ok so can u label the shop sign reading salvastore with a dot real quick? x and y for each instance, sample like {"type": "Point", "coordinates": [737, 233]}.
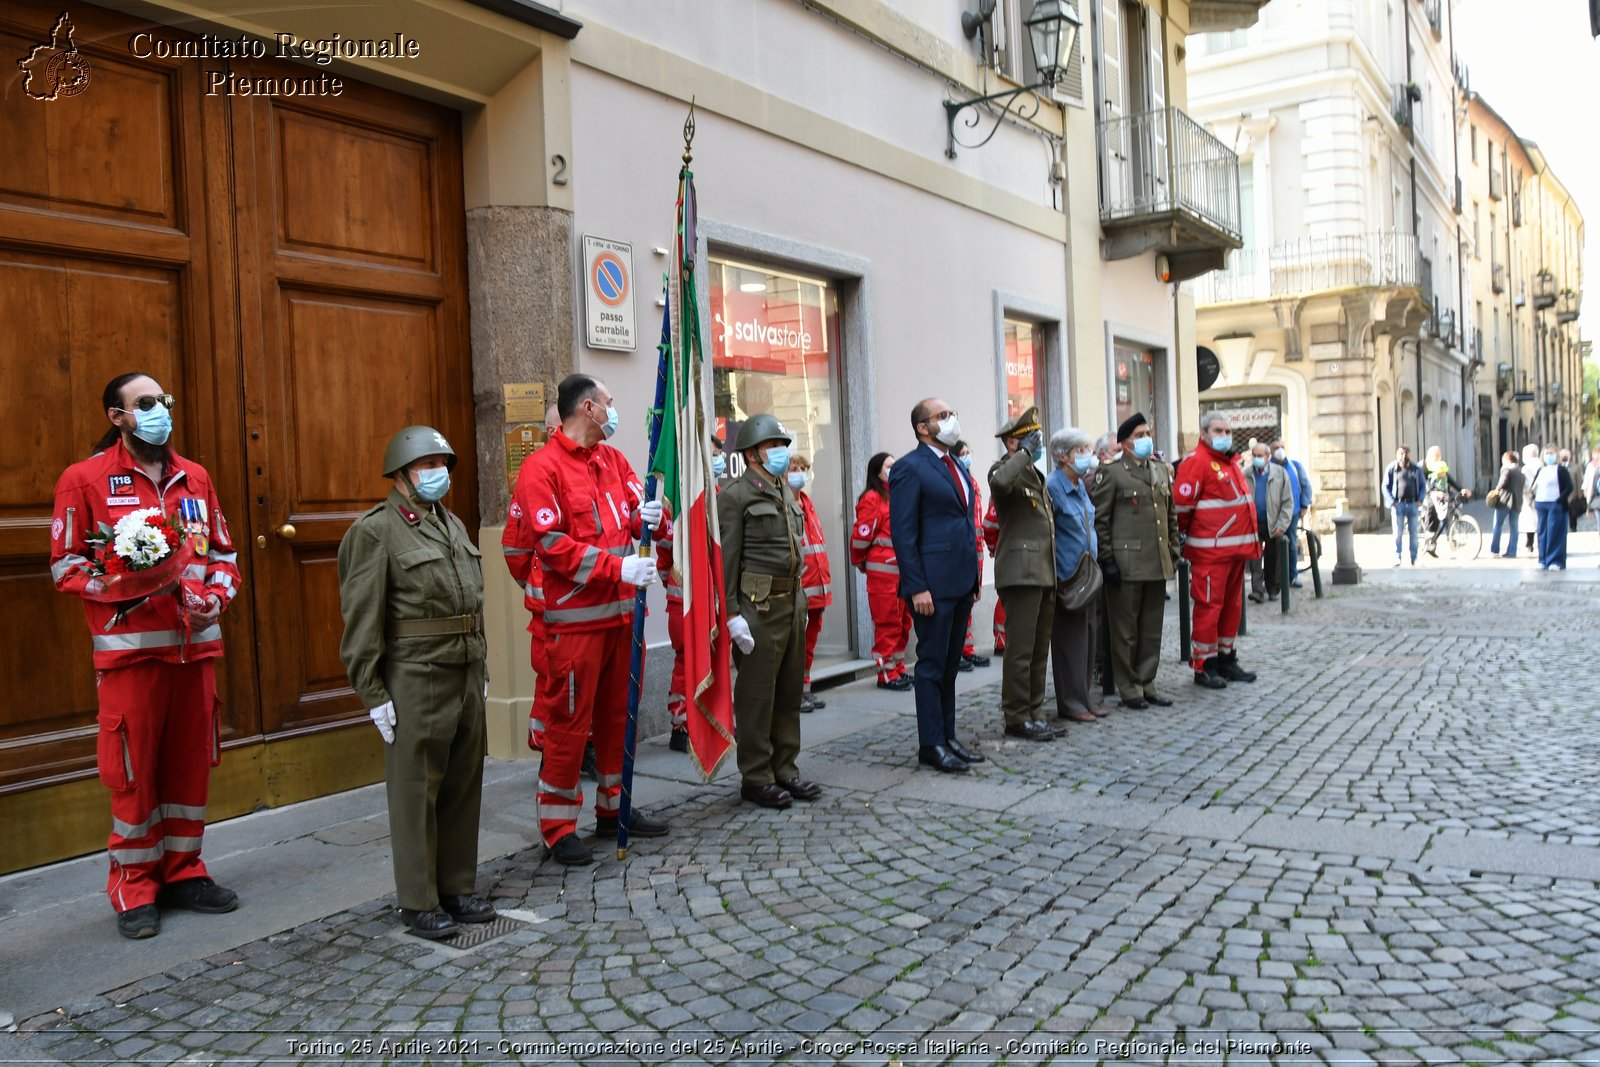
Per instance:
{"type": "Point", "coordinates": [608, 293]}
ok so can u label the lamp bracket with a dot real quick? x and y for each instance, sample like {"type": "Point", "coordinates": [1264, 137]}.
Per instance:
{"type": "Point", "coordinates": [1009, 105]}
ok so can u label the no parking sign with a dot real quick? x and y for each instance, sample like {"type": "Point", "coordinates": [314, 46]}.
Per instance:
{"type": "Point", "coordinates": [608, 293]}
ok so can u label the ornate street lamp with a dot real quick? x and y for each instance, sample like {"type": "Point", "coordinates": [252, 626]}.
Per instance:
{"type": "Point", "coordinates": [1052, 34]}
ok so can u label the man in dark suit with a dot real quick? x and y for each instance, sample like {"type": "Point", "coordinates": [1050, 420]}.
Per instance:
{"type": "Point", "coordinates": [936, 544]}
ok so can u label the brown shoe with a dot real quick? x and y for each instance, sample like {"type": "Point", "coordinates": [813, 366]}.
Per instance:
{"type": "Point", "coordinates": [771, 795]}
{"type": "Point", "coordinates": [1077, 716]}
{"type": "Point", "coordinates": [1100, 713]}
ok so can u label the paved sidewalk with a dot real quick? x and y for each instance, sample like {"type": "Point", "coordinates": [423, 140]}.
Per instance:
{"type": "Point", "coordinates": [1384, 851]}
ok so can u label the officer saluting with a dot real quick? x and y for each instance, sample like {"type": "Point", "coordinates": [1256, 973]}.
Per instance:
{"type": "Point", "coordinates": [763, 539]}
{"type": "Point", "coordinates": [411, 589]}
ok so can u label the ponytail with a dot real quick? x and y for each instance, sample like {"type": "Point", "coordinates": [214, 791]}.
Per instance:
{"type": "Point", "coordinates": [111, 397]}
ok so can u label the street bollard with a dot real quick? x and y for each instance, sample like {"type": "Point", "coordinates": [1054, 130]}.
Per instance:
{"type": "Point", "coordinates": [1184, 646]}
{"type": "Point", "coordinates": [1345, 571]}
{"type": "Point", "coordinates": [1286, 577]}
{"type": "Point", "coordinates": [1314, 548]}
{"type": "Point", "coordinates": [1108, 682]}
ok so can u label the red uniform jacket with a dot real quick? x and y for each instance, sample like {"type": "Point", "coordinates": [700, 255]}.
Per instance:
{"type": "Point", "coordinates": [1215, 510]}
{"type": "Point", "coordinates": [104, 488]}
{"type": "Point", "coordinates": [870, 544]}
{"type": "Point", "coordinates": [817, 577]}
{"type": "Point", "coordinates": [579, 517]}
{"type": "Point", "coordinates": [990, 527]}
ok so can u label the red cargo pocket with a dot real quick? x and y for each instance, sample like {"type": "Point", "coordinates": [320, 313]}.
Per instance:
{"type": "Point", "coordinates": [113, 755]}
{"type": "Point", "coordinates": [216, 731]}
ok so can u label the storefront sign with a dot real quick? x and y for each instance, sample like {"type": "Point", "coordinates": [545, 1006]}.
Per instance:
{"type": "Point", "coordinates": [608, 294]}
{"type": "Point", "coordinates": [1252, 416]}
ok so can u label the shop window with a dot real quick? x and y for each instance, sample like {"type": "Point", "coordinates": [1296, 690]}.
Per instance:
{"type": "Point", "coordinates": [1025, 375]}
{"type": "Point", "coordinates": [1135, 386]}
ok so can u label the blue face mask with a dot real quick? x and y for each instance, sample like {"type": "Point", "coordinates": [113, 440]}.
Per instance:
{"type": "Point", "coordinates": [1144, 448]}
{"type": "Point", "coordinates": [797, 480]}
{"type": "Point", "coordinates": [1260, 462]}
{"type": "Point", "coordinates": [1083, 463]}
{"type": "Point", "coordinates": [719, 466]}
{"type": "Point", "coordinates": [153, 426]}
{"type": "Point", "coordinates": [1549, 461]}
{"type": "Point", "coordinates": [965, 461]}
{"type": "Point", "coordinates": [777, 461]}
{"type": "Point", "coordinates": [432, 484]}
{"type": "Point", "coordinates": [1222, 442]}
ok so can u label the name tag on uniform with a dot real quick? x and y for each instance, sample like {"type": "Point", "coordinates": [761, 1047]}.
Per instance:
{"type": "Point", "coordinates": [122, 501]}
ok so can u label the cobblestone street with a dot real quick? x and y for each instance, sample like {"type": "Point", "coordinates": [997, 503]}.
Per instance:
{"type": "Point", "coordinates": [1384, 850]}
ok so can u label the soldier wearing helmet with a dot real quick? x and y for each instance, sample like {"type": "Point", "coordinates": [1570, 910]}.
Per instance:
{"type": "Point", "coordinates": [411, 590]}
{"type": "Point", "coordinates": [763, 545]}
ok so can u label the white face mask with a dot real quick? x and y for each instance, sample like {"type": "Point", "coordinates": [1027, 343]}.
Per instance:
{"type": "Point", "coordinates": [949, 431]}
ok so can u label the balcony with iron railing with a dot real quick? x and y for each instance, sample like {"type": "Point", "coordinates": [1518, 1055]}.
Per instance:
{"type": "Point", "coordinates": [1434, 10]}
{"type": "Point", "coordinates": [1400, 105]}
{"type": "Point", "coordinates": [1544, 290]}
{"type": "Point", "coordinates": [1309, 265]}
{"type": "Point", "coordinates": [1167, 185]}
{"type": "Point", "coordinates": [1568, 305]}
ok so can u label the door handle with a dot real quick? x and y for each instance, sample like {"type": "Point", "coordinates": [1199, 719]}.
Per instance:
{"type": "Point", "coordinates": [287, 531]}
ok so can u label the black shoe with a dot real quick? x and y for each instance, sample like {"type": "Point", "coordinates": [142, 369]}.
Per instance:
{"type": "Point", "coordinates": [965, 665]}
{"type": "Point", "coordinates": [1258, 598]}
{"type": "Point", "coordinates": [818, 704]}
{"type": "Point", "coordinates": [1056, 729]}
{"type": "Point", "coordinates": [963, 752]}
{"type": "Point", "coordinates": [1031, 731]}
{"type": "Point", "coordinates": [1209, 678]}
{"type": "Point", "coordinates": [899, 685]}
{"type": "Point", "coordinates": [1158, 701]}
{"type": "Point", "coordinates": [679, 741]}
{"type": "Point", "coordinates": [771, 795]}
{"type": "Point", "coordinates": [469, 909]}
{"type": "Point", "coordinates": [980, 661]}
{"type": "Point", "coordinates": [141, 922]}
{"type": "Point", "coordinates": [800, 788]}
{"type": "Point", "coordinates": [1137, 703]}
{"type": "Point", "coordinates": [942, 759]}
{"type": "Point", "coordinates": [806, 703]}
{"type": "Point", "coordinates": [570, 852]}
{"type": "Point", "coordinates": [199, 894]}
{"type": "Point", "coordinates": [433, 924]}
{"type": "Point", "coordinates": [588, 769]}
{"type": "Point", "coordinates": [638, 826]}
{"type": "Point", "coordinates": [1228, 668]}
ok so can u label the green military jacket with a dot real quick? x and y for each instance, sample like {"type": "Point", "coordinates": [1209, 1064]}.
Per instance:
{"type": "Point", "coordinates": [763, 537]}
{"type": "Point", "coordinates": [395, 564]}
{"type": "Point", "coordinates": [1133, 518]}
{"type": "Point", "coordinates": [1026, 554]}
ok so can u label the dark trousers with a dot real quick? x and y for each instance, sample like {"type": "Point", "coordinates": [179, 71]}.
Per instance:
{"type": "Point", "coordinates": [1135, 611]}
{"type": "Point", "coordinates": [1030, 612]}
{"type": "Point", "coordinates": [939, 638]}
{"type": "Point", "coordinates": [1074, 645]}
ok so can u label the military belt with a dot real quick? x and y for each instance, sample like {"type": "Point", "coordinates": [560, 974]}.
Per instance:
{"type": "Point", "coordinates": [780, 585]}
{"type": "Point", "coordinates": [448, 626]}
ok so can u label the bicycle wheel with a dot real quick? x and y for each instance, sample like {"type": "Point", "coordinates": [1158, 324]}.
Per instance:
{"type": "Point", "coordinates": [1466, 539]}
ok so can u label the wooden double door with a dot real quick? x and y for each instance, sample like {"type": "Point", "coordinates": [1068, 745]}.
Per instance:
{"type": "Point", "coordinates": [293, 270]}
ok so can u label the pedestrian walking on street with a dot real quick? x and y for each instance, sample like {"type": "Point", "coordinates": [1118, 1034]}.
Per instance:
{"type": "Point", "coordinates": [154, 656]}
{"type": "Point", "coordinates": [1074, 637]}
{"type": "Point", "coordinates": [936, 544]}
{"type": "Point", "coordinates": [1506, 500]}
{"type": "Point", "coordinates": [1024, 575]}
{"type": "Point", "coordinates": [411, 592]}
{"type": "Point", "coordinates": [1528, 519]}
{"type": "Point", "coordinates": [584, 508]}
{"type": "Point", "coordinates": [1217, 515]}
{"type": "Point", "coordinates": [1551, 487]}
{"type": "Point", "coordinates": [1136, 532]}
{"type": "Point", "coordinates": [872, 552]}
{"type": "Point", "coordinates": [970, 658]}
{"type": "Point", "coordinates": [817, 581]}
{"type": "Point", "coordinates": [763, 564]}
{"type": "Point", "coordinates": [1270, 488]}
{"type": "Point", "coordinates": [1403, 491]}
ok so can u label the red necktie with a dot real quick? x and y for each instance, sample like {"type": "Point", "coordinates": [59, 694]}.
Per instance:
{"type": "Point", "coordinates": [956, 474]}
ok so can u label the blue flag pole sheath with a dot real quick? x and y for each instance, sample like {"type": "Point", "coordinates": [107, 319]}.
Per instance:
{"type": "Point", "coordinates": [630, 737]}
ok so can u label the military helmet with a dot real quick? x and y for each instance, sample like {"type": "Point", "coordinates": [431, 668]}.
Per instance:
{"type": "Point", "coordinates": [1021, 425]}
{"type": "Point", "coordinates": [414, 442]}
{"type": "Point", "coordinates": [758, 428]}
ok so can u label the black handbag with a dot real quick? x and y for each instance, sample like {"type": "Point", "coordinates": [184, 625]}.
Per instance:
{"type": "Point", "coordinates": [1081, 586]}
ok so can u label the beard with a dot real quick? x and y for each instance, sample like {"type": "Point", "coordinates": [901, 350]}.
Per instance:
{"type": "Point", "coordinates": [144, 451]}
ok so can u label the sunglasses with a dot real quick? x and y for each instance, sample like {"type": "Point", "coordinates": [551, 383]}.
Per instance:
{"type": "Point", "coordinates": [146, 403]}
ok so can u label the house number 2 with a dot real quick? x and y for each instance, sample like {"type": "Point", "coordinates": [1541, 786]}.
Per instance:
{"type": "Point", "coordinates": [559, 162]}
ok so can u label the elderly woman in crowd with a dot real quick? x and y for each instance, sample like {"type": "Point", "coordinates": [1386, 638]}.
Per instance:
{"type": "Point", "coordinates": [1074, 637]}
{"type": "Point", "coordinates": [1551, 486]}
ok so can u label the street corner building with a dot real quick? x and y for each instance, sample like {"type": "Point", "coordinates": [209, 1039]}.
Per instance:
{"type": "Point", "coordinates": [898, 201]}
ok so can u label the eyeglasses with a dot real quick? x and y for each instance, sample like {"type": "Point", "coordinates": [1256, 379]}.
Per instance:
{"type": "Point", "coordinates": [941, 416]}
{"type": "Point", "coordinates": [146, 403]}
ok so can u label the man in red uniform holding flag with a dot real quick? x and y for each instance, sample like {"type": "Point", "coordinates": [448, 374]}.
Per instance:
{"type": "Point", "coordinates": [155, 656]}
{"type": "Point", "coordinates": [581, 508]}
{"type": "Point", "coordinates": [1217, 516]}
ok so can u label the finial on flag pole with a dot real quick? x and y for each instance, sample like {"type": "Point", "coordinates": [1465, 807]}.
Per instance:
{"type": "Point", "coordinates": [688, 134]}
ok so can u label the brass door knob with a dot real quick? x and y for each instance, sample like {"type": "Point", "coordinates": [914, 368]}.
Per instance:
{"type": "Point", "coordinates": [261, 541]}
{"type": "Point", "coordinates": [287, 531]}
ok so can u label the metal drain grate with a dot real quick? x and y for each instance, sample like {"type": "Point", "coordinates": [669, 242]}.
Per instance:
{"type": "Point", "coordinates": [474, 934]}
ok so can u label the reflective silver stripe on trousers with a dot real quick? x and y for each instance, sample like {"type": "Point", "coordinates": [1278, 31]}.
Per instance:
{"type": "Point", "coordinates": [546, 787]}
{"type": "Point", "coordinates": [183, 811]}
{"type": "Point", "coordinates": [163, 811]}
{"type": "Point", "coordinates": [604, 780]}
{"type": "Point", "coordinates": [816, 590]}
{"type": "Point", "coordinates": [563, 812]}
{"type": "Point", "coordinates": [152, 639]}
{"type": "Point", "coordinates": [60, 567]}
{"type": "Point", "coordinates": [1235, 502]}
{"type": "Point", "coordinates": [1222, 542]}
{"type": "Point", "coordinates": [594, 614]}
{"type": "Point", "coordinates": [129, 856]}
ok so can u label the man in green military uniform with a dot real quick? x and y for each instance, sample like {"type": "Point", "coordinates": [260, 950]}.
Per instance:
{"type": "Point", "coordinates": [411, 589]}
{"type": "Point", "coordinates": [763, 533]}
{"type": "Point", "coordinates": [1024, 575]}
{"type": "Point", "coordinates": [1138, 535]}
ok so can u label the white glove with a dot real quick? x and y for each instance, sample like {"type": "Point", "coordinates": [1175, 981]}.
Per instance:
{"type": "Point", "coordinates": [739, 630]}
{"type": "Point", "coordinates": [650, 514]}
{"type": "Point", "coordinates": [639, 570]}
{"type": "Point", "coordinates": [383, 719]}
{"type": "Point", "coordinates": [486, 689]}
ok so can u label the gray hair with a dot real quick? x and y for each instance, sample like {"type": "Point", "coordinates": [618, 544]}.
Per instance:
{"type": "Point", "coordinates": [1104, 443]}
{"type": "Point", "coordinates": [1062, 442]}
{"type": "Point", "coordinates": [1209, 418]}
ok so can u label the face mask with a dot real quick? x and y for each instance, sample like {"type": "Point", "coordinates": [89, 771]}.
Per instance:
{"type": "Point", "coordinates": [949, 431]}
{"type": "Point", "coordinates": [1037, 451]}
{"type": "Point", "coordinates": [1549, 461]}
{"type": "Point", "coordinates": [608, 427]}
{"type": "Point", "coordinates": [719, 466]}
{"type": "Point", "coordinates": [1260, 462]}
{"type": "Point", "coordinates": [1114, 456]}
{"type": "Point", "coordinates": [1144, 448]}
{"type": "Point", "coordinates": [965, 461]}
{"type": "Point", "coordinates": [1082, 463]}
{"type": "Point", "coordinates": [798, 480]}
{"type": "Point", "coordinates": [154, 426]}
{"type": "Point", "coordinates": [1280, 455]}
{"type": "Point", "coordinates": [777, 461]}
{"type": "Point", "coordinates": [432, 484]}
{"type": "Point", "coordinates": [1222, 442]}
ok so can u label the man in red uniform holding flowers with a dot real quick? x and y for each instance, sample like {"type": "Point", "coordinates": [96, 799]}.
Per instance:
{"type": "Point", "coordinates": [152, 593]}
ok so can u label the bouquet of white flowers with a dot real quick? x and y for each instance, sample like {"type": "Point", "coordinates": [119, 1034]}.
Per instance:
{"type": "Point", "coordinates": [144, 553]}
